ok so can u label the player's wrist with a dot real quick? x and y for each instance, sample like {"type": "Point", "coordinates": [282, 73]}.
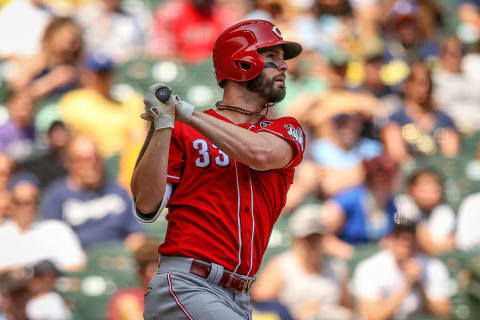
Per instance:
{"type": "Point", "coordinates": [184, 110]}
{"type": "Point", "coordinates": [164, 121]}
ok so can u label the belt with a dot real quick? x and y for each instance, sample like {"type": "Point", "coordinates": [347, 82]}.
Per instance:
{"type": "Point", "coordinates": [229, 279]}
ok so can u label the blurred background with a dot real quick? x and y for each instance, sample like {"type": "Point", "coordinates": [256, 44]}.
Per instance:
{"type": "Point", "coordinates": [388, 92]}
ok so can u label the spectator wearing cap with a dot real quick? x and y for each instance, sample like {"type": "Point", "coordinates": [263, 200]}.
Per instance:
{"type": "Point", "coordinates": [24, 240]}
{"type": "Point", "coordinates": [112, 122]}
{"type": "Point", "coordinates": [311, 285]}
{"type": "Point", "coordinates": [44, 302]}
{"type": "Point", "coordinates": [17, 135]}
{"type": "Point", "coordinates": [49, 166]}
{"type": "Point", "coordinates": [364, 213]}
{"type": "Point", "coordinates": [417, 129]}
{"type": "Point", "coordinates": [98, 209]}
{"type": "Point", "coordinates": [399, 282]}
{"type": "Point", "coordinates": [411, 33]}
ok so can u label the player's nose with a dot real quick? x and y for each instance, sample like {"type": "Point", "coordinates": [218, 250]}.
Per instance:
{"type": "Point", "coordinates": [282, 66]}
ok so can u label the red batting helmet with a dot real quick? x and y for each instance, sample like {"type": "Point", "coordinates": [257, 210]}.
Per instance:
{"type": "Point", "coordinates": [235, 55]}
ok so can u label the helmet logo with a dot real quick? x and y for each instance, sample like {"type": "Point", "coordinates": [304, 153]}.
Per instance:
{"type": "Point", "coordinates": [277, 32]}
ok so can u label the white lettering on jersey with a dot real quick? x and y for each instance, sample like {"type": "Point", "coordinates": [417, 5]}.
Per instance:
{"type": "Point", "coordinates": [76, 212]}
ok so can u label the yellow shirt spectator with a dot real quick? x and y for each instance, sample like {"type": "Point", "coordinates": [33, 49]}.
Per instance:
{"type": "Point", "coordinates": [112, 124]}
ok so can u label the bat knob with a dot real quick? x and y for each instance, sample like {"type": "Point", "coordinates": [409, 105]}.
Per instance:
{"type": "Point", "coordinates": [163, 94]}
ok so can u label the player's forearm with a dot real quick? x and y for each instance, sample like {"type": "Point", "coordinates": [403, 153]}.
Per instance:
{"type": "Point", "coordinates": [150, 176]}
{"type": "Point", "coordinates": [238, 143]}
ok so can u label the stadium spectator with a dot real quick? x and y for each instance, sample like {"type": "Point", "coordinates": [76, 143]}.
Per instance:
{"type": "Point", "coordinates": [275, 11]}
{"type": "Point", "coordinates": [54, 70]}
{"type": "Point", "coordinates": [50, 166]}
{"type": "Point", "coordinates": [418, 129]}
{"type": "Point", "coordinates": [17, 135]}
{"type": "Point", "coordinates": [127, 303]}
{"type": "Point", "coordinates": [187, 29]}
{"type": "Point", "coordinates": [454, 93]}
{"type": "Point", "coordinates": [97, 209]}
{"type": "Point", "coordinates": [14, 294]}
{"type": "Point", "coordinates": [26, 39]}
{"type": "Point", "coordinates": [6, 169]}
{"type": "Point", "coordinates": [340, 149]}
{"type": "Point", "coordinates": [411, 31]}
{"type": "Point", "coordinates": [44, 302]}
{"type": "Point", "coordinates": [424, 203]}
{"type": "Point", "coordinates": [308, 283]}
{"type": "Point", "coordinates": [109, 27]}
{"type": "Point", "coordinates": [467, 236]}
{"type": "Point", "coordinates": [25, 241]}
{"type": "Point", "coordinates": [337, 148]}
{"type": "Point", "coordinates": [364, 213]}
{"type": "Point", "coordinates": [399, 282]}
{"type": "Point", "coordinates": [83, 109]}
{"type": "Point", "coordinates": [328, 27]}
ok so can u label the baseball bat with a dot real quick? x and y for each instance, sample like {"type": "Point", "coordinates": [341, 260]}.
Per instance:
{"type": "Point", "coordinates": [162, 94]}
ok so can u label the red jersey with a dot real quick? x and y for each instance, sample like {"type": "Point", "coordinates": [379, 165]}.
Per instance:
{"type": "Point", "coordinates": [221, 210]}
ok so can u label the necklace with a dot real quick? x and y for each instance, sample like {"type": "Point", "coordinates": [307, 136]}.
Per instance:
{"type": "Point", "coordinates": [221, 106]}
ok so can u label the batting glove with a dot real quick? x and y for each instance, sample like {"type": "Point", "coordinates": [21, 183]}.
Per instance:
{"type": "Point", "coordinates": [184, 110]}
{"type": "Point", "coordinates": [162, 114]}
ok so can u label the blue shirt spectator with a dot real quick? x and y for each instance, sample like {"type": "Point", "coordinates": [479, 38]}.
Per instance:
{"type": "Point", "coordinates": [363, 222]}
{"type": "Point", "coordinates": [418, 140]}
{"type": "Point", "coordinates": [95, 216]}
{"type": "Point", "coordinates": [98, 210]}
{"type": "Point", "coordinates": [326, 153]}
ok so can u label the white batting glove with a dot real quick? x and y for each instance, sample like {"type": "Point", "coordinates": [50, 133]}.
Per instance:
{"type": "Point", "coordinates": [184, 110]}
{"type": "Point", "coordinates": [161, 114]}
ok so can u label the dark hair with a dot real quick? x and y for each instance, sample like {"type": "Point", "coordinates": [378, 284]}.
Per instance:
{"type": "Point", "coordinates": [55, 125]}
{"type": "Point", "coordinates": [413, 178]}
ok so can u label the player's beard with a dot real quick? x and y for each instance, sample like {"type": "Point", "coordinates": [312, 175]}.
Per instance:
{"type": "Point", "coordinates": [266, 88]}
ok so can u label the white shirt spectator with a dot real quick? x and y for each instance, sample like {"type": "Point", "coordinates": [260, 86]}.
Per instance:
{"type": "Point", "coordinates": [116, 34]}
{"type": "Point", "coordinates": [48, 306]}
{"type": "Point", "coordinates": [440, 222]}
{"type": "Point", "coordinates": [51, 239]}
{"type": "Point", "coordinates": [459, 97]}
{"type": "Point", "coordinates": [379, 277]}
{"type": "Point", "coordinates": [27, 23]}
{"type": "Point", "coordinates": [468, 236]}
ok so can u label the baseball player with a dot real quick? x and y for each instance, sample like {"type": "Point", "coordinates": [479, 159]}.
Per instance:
{"type": "Point", "coordinates": [224, 175]}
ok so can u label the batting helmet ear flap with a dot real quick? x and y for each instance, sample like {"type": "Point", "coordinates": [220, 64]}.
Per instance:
{"type": "Point", "coordinates": [248, 65]}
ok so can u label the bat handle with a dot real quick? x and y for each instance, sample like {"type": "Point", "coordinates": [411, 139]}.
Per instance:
{"type": "Point", "coordinates": [163, 94]}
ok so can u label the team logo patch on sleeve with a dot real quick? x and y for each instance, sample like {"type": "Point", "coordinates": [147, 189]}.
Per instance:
{"type": "Point", "coordinates": [295, 133]}
{"type": "Point", "coordinates": [263, 124]}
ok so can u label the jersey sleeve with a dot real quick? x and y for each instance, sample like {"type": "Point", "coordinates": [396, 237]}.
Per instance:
{"type": "Point", "coordinates": [291, 131]}
{"type": "Point", "coordinates": [176, 157]}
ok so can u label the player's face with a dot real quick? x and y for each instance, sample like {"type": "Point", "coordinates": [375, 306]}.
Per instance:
{"type": "Point", "coordinates": [271, 82]}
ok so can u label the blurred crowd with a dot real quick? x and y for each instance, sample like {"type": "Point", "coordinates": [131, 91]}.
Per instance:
{"type": "Point", "coordinates": [388, 92]}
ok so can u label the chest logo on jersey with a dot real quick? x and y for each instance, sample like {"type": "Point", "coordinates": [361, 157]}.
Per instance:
{"type": "Point", "coordinates": [295, 133]}
{"type": "Point", "coordinates": [263, 124]}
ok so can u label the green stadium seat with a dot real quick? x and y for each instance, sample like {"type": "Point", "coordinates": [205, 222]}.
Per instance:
{"type": "Point", "coordinates": [110, 266]}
